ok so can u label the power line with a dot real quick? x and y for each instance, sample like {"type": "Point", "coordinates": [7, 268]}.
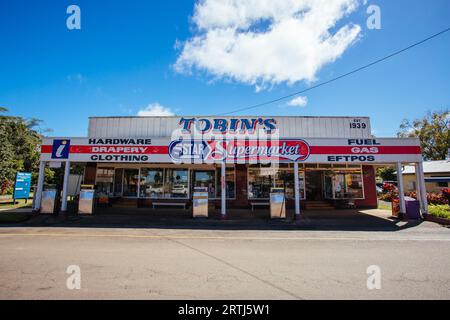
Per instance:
{"type": "Point", "coordinates": [339, 77]}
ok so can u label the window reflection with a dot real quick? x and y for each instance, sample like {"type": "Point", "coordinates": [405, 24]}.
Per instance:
{"type": "Point", "coordinates": [261, 179]}
{"type": "Point", "coordinates": [105, 181]}
{"type": "Point", "coordinates": [152, 183]}
{"type": "Point", "coordinates": [344, 185]}
{"type": "Point", "coordinates": [130, 183]}
{"type": "Point", "coordinates": [206, 179]}
{"type": "Point", "coordinates": [176, 183]}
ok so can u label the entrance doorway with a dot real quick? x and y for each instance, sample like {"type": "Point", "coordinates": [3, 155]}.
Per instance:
{"type": "Point", "coordinates": [130, 182]}
{"type": "Point", "coordinates": [314, 186]}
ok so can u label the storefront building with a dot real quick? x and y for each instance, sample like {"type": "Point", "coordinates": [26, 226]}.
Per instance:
{"type": "Point", "coordinates": [144, 160]}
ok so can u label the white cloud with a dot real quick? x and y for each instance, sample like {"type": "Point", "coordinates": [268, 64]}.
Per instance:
{"type": "Point", "coordinates": [77, 78]}
{"type": "Point", "coordinates": [298, 102]}
{"type": "Point", "coordinates": [267, 42]}
{"type": "Point", "coordinates": [155, 110]}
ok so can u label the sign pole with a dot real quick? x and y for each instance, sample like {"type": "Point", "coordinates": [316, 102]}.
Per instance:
{"type": "Point", "coordinates": [65, 186]}
{"type": "Point", "coordinates": [297, 191]}
{"type": "Point", "coordinates": [40, 186]}
{"type": "Point", "coordinates": [401, 189]}
{"type": "Point", "coordinates": [224, 191]}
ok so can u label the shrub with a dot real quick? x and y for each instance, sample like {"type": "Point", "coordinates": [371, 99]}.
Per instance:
{"type": "Point", "coordinates": [433, 198]}
{"type": "Point", "coordinates": [446, 193]}
{"type": "Point", "coordinates": [6, 188]}
{"type": "Point", "coordinates": [441, 211]}
{"type": "Point", "coordinates": [411, 194]}
{"type": "Point", "coordinates": [437, 198]}
{"type": "Point", "coordinates": [389, 196]}
{"type": "Point", "coordinates": [389, 187]}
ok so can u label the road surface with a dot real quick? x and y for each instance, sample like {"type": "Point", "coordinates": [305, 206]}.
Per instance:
{"type": "Point", "coordinates": [218, 264]}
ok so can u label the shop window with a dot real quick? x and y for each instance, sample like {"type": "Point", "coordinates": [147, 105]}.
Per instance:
{"type": "Point", "coordinates": [262, 180]}
{"type": "Point", "coordinates": [105, 181]}
{"type": "Point", "coordinates": [354, 166]}
{"type": "Point", "coordinates": [230, 178]}
{"type": "Point", "coordinates": [345, 185]}
{"type": "Point", "coordinates": [284, 178]}
{"type": "Point", "coordinates": [176, 183]}
{"type": "Point", "coordinates": [206, 179]}
{"type": "Point", "coordinates": [354, 185]}
{"type": "Point", "coordinates": [152, 183]}
{"type": "Point", "coordinates": [301, 177]}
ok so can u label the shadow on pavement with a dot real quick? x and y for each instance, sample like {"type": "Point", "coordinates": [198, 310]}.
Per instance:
{"type": "Point", "coordinates": [338, 220]}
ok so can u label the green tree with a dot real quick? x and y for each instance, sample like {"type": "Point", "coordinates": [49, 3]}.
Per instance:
{"type": "Point", "coordinates": [433, 130]}
{"type": "Point", "coordinates": [19, 147]}
{"type": "Point", "coordinates": [387, 173]}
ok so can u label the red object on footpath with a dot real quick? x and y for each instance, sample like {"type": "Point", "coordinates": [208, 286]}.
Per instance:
{"type": "Point", "coordinates": [396, 208]}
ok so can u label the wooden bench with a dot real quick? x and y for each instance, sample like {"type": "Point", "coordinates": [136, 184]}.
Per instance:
{"type": "Point", "coordinates": [259, 204]}
{"type": "Point", "coordinates": [169, 204]}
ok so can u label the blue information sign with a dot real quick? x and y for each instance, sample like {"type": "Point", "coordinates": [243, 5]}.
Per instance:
{"type": "Point", "coordinates": [22, 186]}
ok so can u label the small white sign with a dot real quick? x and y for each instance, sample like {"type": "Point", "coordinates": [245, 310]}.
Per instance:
{"type": "Point", "coordinates": [54, 165]}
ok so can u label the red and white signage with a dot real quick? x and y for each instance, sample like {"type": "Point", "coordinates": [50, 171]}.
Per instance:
{"type": "Point", "coordinates": [160, 150]}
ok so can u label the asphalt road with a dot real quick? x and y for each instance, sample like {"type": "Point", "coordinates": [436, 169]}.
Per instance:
{"type": "Point", "coordinates": [219, 264]}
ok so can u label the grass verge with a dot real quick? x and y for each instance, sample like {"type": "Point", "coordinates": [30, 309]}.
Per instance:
{"type": "Point", "coordinates": [19, 204]}
{"type": "Point", "coordinates": [382, 206]}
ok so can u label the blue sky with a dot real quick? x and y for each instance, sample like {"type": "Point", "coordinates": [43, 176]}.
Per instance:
{"type": "Point", "coordinates": [122, 60]}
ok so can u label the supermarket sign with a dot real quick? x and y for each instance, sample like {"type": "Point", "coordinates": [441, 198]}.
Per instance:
{"type": "Point", "coordinates": [238, 150]}
{"type": "Point", "coordinates": [166, 150]}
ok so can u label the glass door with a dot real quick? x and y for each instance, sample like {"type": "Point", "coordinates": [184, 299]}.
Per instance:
{"type": "Point", "coordinates": [118, 182]}
{"type": "Point", "coordinates": [130, 182]}
{"type": "Point", "coordinates": [328, 186]}
{"type": "Point", "coordinates": [314, 187]}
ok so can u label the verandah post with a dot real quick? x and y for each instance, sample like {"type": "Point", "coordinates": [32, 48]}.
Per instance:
{"type": "Point", "coordinates": [297, 190]}
{"type": "Point", "coordinates": [224, 191]}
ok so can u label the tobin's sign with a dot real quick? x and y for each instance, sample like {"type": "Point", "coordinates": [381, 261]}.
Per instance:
{"type": "Point", "coordinates": [229, 126]}
{"type": "Point", "coordinates": [166, 150]}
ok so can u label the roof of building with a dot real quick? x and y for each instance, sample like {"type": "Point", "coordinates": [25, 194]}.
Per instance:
{"type": "Point", "coordinates": [239, 116]}
{"type": "Point", "coordinates": [442, 166]}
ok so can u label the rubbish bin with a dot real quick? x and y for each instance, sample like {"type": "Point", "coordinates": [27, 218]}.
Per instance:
{"type": "Point", "coordinates": [200, 203]}
{"type": "Point", "coordinates": [412, 208]}
{"type": "Point", "coordinates": [48, 201]}
{"type": "Point", "coordinates": [87, 200]}
{"type": "Point", "coordinates": [277, 203]}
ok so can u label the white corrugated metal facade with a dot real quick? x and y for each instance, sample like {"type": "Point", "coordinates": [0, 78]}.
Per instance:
{"type": "Point", "coordinates": [289, 127]}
